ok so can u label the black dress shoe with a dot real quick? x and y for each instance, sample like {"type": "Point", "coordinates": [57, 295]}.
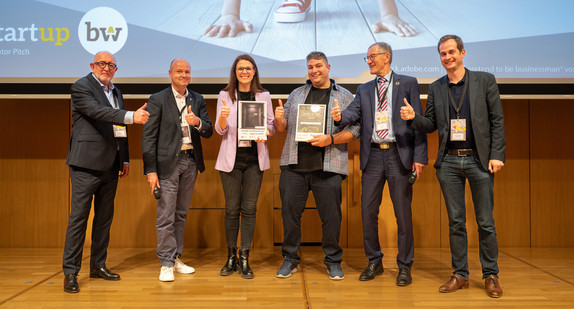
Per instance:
{"type": "Point", "coordinates": [71, 283]}
{"type": "Point", "coordinates": [103, 273]}
{"type": "Point", "coordinates": [404, 277]}
{"type": "Point", "coordinates": [371, 271]}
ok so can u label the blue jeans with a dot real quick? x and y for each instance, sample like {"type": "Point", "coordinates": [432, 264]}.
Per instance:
{"type": "Point", "coordinates": [452, 175]}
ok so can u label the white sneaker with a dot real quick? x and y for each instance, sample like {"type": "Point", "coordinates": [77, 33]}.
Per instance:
{"type": "Point", "coordinates": [166, 274]}
{"type": "Point", "coordinates": [181, 268]}
{"type": "Point", "coordinates": [292, 11]}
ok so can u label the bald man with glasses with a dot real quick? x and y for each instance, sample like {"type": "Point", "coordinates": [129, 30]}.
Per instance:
{"type": "Point", "coordinates": [97, 155]}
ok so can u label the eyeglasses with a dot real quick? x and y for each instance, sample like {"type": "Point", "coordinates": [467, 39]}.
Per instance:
{"type": "Point", "coordinates": [246, 69]}
{"type": "Point", "coordinates": [103, 64]}
{"type": "Point", "coordinates": [371, 57]}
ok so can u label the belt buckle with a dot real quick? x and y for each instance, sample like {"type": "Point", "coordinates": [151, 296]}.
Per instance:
{"type": "Point", "coordinates": [460, 152]}
{"type": "Point", "coordinates": [384, 146]}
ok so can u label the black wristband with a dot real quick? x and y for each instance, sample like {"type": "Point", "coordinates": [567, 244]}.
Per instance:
{"type": "Point", "coordinates": [332, 140]}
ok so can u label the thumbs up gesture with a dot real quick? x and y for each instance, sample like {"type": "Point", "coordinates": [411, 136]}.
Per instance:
{"type": "Point", "coordinates": [224, 110]}
{"type": "Point", "coordinates": [279, 111]}
{"type": "Point", "coordinates": [190, 118]}
{"type": "Point", "coordinates": [407, 111]}
{"type": "Point", "coordinates": [336, 111]}
{"type": "Point", "coordinates": [141, 115]}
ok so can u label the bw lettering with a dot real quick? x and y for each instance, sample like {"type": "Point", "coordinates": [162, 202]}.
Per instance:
{"type": "Point", "coordinates": [93, 33]}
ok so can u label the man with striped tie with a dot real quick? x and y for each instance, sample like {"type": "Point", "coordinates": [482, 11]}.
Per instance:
{"type": "Point", "coordinates": [390, 152]}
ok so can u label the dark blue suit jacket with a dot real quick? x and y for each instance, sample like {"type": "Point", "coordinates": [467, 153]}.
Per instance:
{"type": "Point", "coordinates": [412, 145]}
{"type": "Point", "coordinates": [92, 143]}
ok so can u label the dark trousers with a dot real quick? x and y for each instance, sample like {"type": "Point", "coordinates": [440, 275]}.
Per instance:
{"type": "Point", "coordinates": [452, 175]}
{"type": "Point", "coordinates": [87, 185]}
{"type": "Point", "coordinates": [241, 189]}
{"type": "Point", "coordinates": [172, 208]}
{"type": "Point", "coordinates": [385, 166]}
{"type": "Point", "coordinates": [294, 188]}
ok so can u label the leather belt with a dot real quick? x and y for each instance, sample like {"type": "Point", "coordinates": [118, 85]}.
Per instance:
{"type": "Point", "coordinates": [462, 152]}
{"type": "Point", "coordinates": [384, 145]}
{"type": "Point", "coordinates": [188, 152]}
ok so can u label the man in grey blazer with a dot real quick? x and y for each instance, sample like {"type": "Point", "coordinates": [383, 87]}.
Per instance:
{"type": "Point", "coordinates": [98, 152]}
{"type": "Point", "coordinates": [172, 156]}
{"type": "Point", "coordinates": [464, 106]}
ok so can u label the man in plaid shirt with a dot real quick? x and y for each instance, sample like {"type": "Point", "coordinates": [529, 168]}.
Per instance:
{"type": "Point", "coordinates": [320, 164]}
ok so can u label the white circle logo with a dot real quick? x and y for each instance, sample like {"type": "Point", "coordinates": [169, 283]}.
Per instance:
{"type": "Point", "coordinates": [102, 29]}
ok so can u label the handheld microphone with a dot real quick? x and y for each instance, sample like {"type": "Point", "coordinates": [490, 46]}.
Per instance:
{"type": "Point", "coordinates": [413, 177]}
{"type": "Point", "coordinates": [156, 193]}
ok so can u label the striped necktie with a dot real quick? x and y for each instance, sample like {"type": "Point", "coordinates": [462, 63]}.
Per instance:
{"type": "Point", "coordinates": [382, 106]}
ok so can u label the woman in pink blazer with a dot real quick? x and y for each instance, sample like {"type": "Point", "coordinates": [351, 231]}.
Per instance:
{"type": "Point", "coordinates": [241, 163]}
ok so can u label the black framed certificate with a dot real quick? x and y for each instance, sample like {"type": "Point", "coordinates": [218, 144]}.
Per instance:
{"type": "Point", "coordinates": [252, 120]}
{"type": "Point", "coordinates": [310, 121]}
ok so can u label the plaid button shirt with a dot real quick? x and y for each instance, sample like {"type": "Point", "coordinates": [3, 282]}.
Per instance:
{"type": "Point", "coordinates": [336, 158]}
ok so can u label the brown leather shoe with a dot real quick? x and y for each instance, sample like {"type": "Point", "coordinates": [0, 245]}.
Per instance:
{"type": "Point", "coordinates": [492, 287]}
{"type": "Point", "coordinates": [454, 284]}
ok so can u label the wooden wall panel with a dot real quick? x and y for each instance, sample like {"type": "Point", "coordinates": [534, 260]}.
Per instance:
{"type": "Point", "coordinates": [34, 182]}
{"type": "Point", "coordinates": [205, 228]}
{"type": "Point", "coordinates": [551, 166]}
{"type": "Point", "coordinates": [532, 205]}
{"type": "Point", "coordinates": [511, 185]}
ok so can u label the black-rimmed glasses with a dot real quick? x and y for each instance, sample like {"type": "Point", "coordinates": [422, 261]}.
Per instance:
{"type": "Point", "coordinates": [103, 64]}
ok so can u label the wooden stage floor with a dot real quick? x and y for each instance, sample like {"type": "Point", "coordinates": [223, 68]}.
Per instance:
{"type": "Point", "coordinates": [530, 278]}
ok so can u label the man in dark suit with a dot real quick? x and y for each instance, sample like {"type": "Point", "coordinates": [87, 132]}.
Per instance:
{"type": "Point", "coordinates": [390, 151]}
{"type": "Point", "coordinates": [464, 106]}
{"type": "Point", "coordinates": [172, 155]}
{"type": "Point", "coordinates": [98, 153]}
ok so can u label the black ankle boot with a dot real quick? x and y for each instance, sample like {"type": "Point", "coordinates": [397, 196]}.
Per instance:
{"type": "Point", "coordinates": [246, 271]}
{"type": "Point", "coordinates": [231, 264]}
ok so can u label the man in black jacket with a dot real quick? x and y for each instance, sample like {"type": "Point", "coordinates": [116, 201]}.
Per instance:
{"type": "Point", "coordinates": [172, 155]}
{"type": "Point", "coordinates": [98, 153]}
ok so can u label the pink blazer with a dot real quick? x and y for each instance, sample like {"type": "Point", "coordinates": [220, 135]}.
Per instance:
{"type": "Point", "coordinates": [228, 148]}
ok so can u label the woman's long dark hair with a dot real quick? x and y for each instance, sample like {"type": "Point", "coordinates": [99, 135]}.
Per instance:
{"type": "Point", "coordinates": [255, 86]}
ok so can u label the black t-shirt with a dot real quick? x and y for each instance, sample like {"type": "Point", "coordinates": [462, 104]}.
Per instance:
{"type": "Point", "coordinates": [457, 90]}
{"type": "Point", "coordinates": [246, 153]}
{"type": "Point", "coordinates": [310, 158]}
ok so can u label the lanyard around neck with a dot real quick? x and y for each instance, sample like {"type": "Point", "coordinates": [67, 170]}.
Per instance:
{"type": "Point", "coordinates": [451, 97]}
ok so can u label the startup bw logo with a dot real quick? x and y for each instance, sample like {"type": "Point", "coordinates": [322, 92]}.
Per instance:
{"type": "Point", "coordinates": [103, 28]}
{"type": "Point", "coordinates": [94, 34]}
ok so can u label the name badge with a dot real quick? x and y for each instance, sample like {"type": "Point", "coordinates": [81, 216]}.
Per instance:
{"type": "Point", "coordinates": [120, 131]}
{"type": "Point", "coordinates": [185, 134]}
{"type": "Point", "coordinates": [458, 130]}
{"type": "Point", "coordinates": [381, 120]}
